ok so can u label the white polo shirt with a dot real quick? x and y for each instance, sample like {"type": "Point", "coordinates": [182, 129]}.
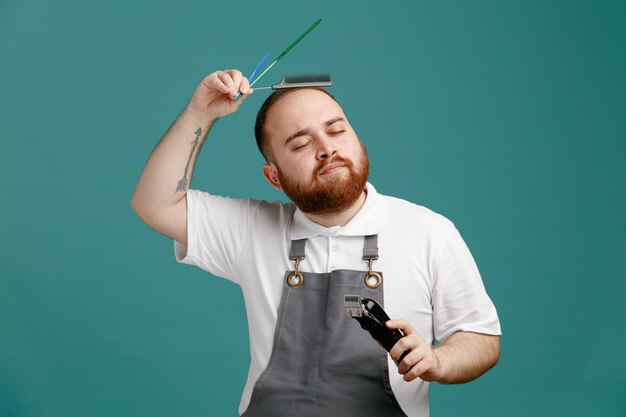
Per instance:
{"type": "Point", "coordinates": [429, 276]}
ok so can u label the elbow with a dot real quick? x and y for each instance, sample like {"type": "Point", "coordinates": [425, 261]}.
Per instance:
{"type": "Point", "coordinates": [134, 205]}
{"type": "Point", "coordinates": [138, 207]}
{"type": "Point", "coordinates": [495, 351]}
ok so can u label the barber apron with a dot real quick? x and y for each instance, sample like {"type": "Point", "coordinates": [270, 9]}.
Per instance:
{"type": "Point", "coordinates": [323, 363]}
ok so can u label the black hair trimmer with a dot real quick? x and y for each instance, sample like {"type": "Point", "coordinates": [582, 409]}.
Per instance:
{"type": "Point", "coordinates": [372, 318]}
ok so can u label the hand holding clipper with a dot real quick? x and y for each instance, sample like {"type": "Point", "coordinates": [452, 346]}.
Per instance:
{"type": "Point", "coordinates": [372, 318]}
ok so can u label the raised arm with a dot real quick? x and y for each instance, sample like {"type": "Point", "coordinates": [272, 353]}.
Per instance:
{"type": "Point", "coordinates": [160, 194]}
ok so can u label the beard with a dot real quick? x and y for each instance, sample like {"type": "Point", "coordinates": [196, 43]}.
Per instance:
{"type": "Point", "coordinates": [331, 195]}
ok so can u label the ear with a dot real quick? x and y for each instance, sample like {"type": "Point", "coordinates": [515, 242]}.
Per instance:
{"type": "Point", "coordinates": [271, 175]}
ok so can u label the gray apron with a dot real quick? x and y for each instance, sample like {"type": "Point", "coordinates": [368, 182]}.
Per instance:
{"type": "Point", "coordinates": [323, 363]}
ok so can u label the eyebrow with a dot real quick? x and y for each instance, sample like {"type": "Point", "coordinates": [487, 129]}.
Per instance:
{"type": "Point", "coordinates": [305, 132]}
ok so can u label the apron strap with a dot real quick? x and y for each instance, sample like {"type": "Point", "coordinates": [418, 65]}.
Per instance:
{"type": "Point", "coordinates": [370, 248]}
{"type": "Point", "coordinates": [297, 249]}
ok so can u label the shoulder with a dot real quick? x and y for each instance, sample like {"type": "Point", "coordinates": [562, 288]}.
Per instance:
{"type": "Point", "coordinates": [413, 216]}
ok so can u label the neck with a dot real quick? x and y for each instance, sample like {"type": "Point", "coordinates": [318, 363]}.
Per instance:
{"type": "Point", "coordinates": [340, 218]}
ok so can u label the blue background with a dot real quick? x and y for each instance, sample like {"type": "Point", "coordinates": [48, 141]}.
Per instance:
{"type": "Point", "coordinates": [506, 117]}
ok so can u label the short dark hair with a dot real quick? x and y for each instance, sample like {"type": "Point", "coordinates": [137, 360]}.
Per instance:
{"type": "Point", "coordinates": [261, 116]}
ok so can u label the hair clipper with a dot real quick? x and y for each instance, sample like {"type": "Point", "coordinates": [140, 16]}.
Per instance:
{"type": "Point", "coordinates": [372, 318]}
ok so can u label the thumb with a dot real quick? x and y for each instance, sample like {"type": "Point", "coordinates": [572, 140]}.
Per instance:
{"type": "Point", "coordinates": [402, 325]}
{"type": "Point", "coordinates": [239, 100]}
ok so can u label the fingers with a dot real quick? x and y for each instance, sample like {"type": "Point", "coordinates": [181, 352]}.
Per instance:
{"type": "Point", "coordinates": [424, 367]}
{"type": "Point", "coordinates": [420, 361]}
{"type": "Point", "coordinates": [236, 104]}
{"type": "Point", "coordinates": [216, 95]}
{"type": "Point", "coordinates": [410, 343]}
{"type": "Point", "coordinates": [410, 340]}
{"type": "Point", "coordinates": [240, 82]}
{"type": "Point", "coordinates": [401, 325]}
{"type": "Point", "coordinates": [244, 86]}
{"type": "Point", "coordinates": [229, 82]}
{"type": "Point", "coordinates": [410, 360]}
{"type": "Point", "coordinates": [214, 81]}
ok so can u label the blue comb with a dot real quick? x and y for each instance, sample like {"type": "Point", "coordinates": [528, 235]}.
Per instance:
{"type": "Point", "coordinates": [255, 70]}
{"type": "Point", "coordinates": [258, 66]}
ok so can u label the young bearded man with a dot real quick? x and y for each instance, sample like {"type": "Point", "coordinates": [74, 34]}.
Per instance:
{"type": "Point", "coordinates": [296, 261]}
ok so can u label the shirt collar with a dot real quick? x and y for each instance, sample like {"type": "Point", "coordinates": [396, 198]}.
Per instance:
{"type": "Point", "coordinates": [368, 221]}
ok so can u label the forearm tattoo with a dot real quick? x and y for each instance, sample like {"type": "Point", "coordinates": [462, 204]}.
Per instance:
{"type": "Point", "coordinates": [182, 183]}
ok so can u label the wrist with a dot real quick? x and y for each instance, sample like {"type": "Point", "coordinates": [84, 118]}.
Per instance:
{"type": "Point", "coordinates": [198, 118]}
{"type": "Point", "coordinates": [440, 367]}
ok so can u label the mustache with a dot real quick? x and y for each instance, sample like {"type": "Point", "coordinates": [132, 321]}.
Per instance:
{"type": "Point", "coordinates": [322, 165]}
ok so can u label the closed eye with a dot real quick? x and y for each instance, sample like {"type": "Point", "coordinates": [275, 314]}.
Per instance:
{"type": "Point", "coordinates": [336, 132]}
{"type": "Point", "coordinates": [301, 145]}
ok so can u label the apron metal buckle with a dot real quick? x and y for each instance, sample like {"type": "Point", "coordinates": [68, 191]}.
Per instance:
{"type": "Point", "coordinates": [372, 279]}
{"type": "Point", "coordinates": [295, 279]}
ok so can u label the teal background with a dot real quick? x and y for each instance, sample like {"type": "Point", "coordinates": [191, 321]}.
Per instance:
{"type": "Point", "coordinates": [509, 118]}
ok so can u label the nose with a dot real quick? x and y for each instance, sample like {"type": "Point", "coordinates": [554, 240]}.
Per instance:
{"type": "Point", "coordinates": [325, 147]}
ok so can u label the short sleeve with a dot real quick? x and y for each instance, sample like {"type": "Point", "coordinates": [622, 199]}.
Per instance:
{"type": "Point", "coordinates": [216, 232]}
{"type": "Point", "coordinates": [460, 302]}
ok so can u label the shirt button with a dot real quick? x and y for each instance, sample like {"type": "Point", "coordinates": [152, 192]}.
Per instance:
{"type": "Point", "coordinates": [333, 248]}
{"type": "Point", "coordinates": [333, 237]}
{"type": "Point", "coordinates": [332, 267]}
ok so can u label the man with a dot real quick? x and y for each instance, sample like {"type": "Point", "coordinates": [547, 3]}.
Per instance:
{"type": "Point", "coordinates": [295, 262]}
